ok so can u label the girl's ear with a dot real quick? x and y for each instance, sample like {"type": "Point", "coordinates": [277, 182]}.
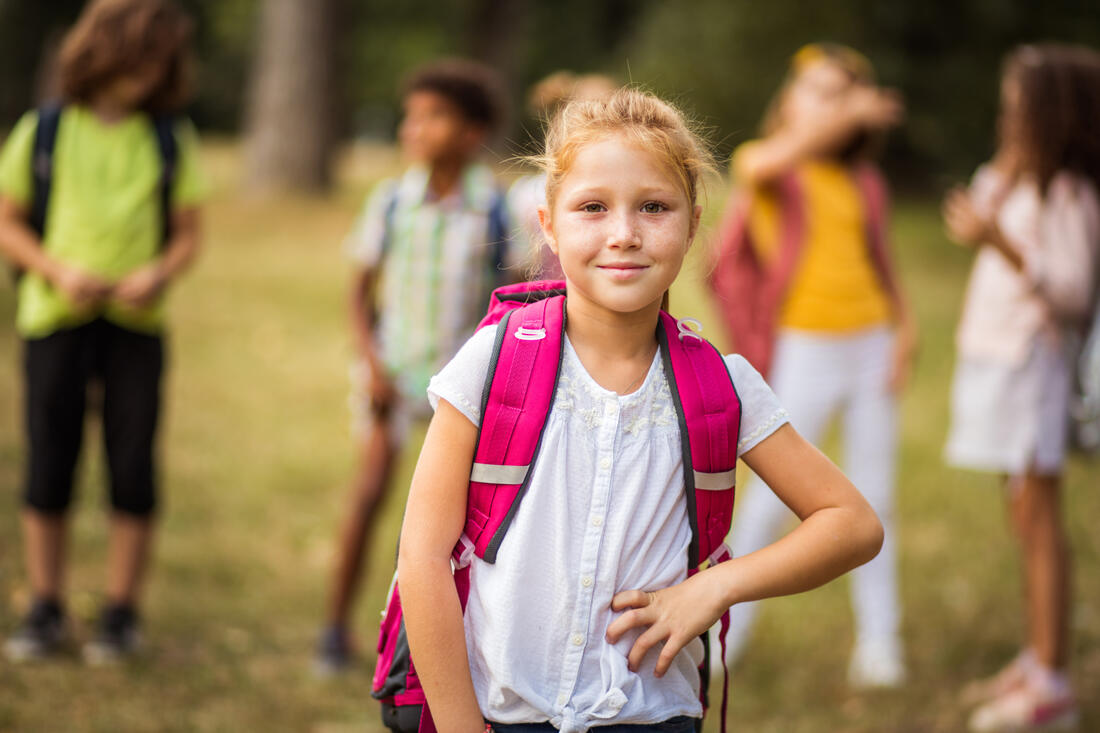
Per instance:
{"type": "Point", "coordinates": [693, 229]}
{"type": "Point", "coordinates": [547, 228]}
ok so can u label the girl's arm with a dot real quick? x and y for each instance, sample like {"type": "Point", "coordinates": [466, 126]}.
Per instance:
{"type": "Point", "coordinates": [1062, 270]}
{"type": "Point", "coordinates": [864, 107]}
{"type": "Point", "coordinates": [21, 246]}
{"type": "Point", "coordinates": [839, 531]}
{"type": "Point", "coordinates": [363, 318]}
{"type": "Point", "coordinates": [434, 521]}
{"type": "Point", "coordinates": [141, 286]}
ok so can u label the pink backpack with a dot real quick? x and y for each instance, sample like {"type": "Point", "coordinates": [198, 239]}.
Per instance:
{"type": "Point", "coordinates": [750, 293]}
{"type": "Point", "coordinates": [519, 391]}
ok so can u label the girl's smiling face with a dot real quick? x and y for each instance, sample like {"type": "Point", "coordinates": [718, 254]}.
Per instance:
{"type": "Point", "coordinates": [621, 223]}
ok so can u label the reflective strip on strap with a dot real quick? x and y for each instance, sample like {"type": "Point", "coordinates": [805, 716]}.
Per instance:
{"type": "Point", "coordinates": [715, 481]}
{"type": "Point", "coordinates": [489, 473]}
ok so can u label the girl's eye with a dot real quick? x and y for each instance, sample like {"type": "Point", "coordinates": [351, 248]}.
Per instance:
{"type": "Point", "coordinates": [653, 207]}
{"type": "Point", "coordinates": [592, 208]}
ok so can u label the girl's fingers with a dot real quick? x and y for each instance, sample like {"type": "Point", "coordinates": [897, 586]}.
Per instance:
{"type": "Point", "coordinates": [626, 622]}
{"type": "Point", "coordinates": [652, 636]}
{"type": "Point", "coordinates": [630, 599]}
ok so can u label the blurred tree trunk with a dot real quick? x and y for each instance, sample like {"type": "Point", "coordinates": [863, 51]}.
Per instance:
{"type": "Point", "coordinates": [495, 33]}
{"type": "Point", "coordinates": [290, 130]}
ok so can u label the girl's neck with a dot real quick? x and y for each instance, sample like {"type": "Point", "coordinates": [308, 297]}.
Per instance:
{"type": "Point", "coordinates": [616, 349]}
{"type": "Point", "coordinates": [108, 110]}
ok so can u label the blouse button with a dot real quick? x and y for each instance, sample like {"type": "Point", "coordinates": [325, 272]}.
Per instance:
{"type": "Point", "coordinates": [605, 463]}
{"type": "Point", "coordinates": [597, 521]}
{"type": "Point", "coordinates": [586, 581]}
{"type": "Point", "coordinates": [577, 639]}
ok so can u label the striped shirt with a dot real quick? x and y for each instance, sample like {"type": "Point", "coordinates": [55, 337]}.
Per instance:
{"type": "Point", "coordinates": [437, 267]}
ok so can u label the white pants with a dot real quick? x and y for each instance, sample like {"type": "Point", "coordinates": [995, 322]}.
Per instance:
{"type": "Point", "coordinates": [817, 377]}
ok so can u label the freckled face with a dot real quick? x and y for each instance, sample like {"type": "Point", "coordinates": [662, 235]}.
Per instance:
{"type": "Point", "coordinates": [621, 224]}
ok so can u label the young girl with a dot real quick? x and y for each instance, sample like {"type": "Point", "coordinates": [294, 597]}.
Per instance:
{"type": "Point", "coordinates": [1033, 217]}
{"type": "Point", "coordinates": [810, 214]}
{"type": "Point", "coordinates": [121, 223]}
{"type": "Point", "coordinates": [588, 616]}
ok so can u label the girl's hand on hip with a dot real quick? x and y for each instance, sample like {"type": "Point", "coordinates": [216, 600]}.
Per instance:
{"type": "Point", "coordinates": [964, 224]}
{"type": "Point", "coordinates": [672, 617]}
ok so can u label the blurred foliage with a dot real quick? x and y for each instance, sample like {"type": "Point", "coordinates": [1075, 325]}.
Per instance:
{"type": "Point", "coordinates": [721, 59]}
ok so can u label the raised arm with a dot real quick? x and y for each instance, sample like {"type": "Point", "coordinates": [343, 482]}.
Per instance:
{"type": "Point", "coordinates": [768, 159]}
{"type": "Point", "coordinates": [839, 531]}
{"type": "Point", "coordinates": [434, 521]}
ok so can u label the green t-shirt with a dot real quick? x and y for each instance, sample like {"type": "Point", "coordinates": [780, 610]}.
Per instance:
{"type": "Point", "coordinates": [104, 212]}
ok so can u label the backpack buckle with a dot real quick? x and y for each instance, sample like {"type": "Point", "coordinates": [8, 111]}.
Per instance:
{"type": "Point", "coordinates": [720, 554]}
{"type": "Point", "coordinates": [463, 553]}
{"type": "Point", "coordinates": [530, 334]}
{"type": "Point", "coordinates": [689, 327]}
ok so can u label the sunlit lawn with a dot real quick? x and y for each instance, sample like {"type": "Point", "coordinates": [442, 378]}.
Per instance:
{"type": "Point", "coordinates": [257, 455]}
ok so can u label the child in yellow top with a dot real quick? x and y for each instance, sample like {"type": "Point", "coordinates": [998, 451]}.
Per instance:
{"type": "Point", "coordinates": [845, 335]}
{"type": "Point", "coordinates": [90, 296]}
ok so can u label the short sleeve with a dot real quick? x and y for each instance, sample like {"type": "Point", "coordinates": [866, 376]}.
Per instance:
{"type": "Point", "coordinates": [761, 413]}
{"type": "Point", "coordinates": [16, 180]}
{"type": "Point", "coordinates": [462, 380]}
{"type": "Point", "coordinates": [363, 244]}
{"type": "Point", "coordinates": [190, 187]}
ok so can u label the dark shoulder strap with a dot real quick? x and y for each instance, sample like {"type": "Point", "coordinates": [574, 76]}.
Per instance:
{"type": "Point", "coordinates": [498, 234]}
{"type": "Point", "coordinates": [165, 128]}
{"type": "Point", "coordinates": [45, 137]}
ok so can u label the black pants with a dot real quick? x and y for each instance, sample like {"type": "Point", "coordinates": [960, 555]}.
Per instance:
{"type": "Point", "coordinates": [58, 371]}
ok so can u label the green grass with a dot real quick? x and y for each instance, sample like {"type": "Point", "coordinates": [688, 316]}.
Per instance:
{"type": "Point", "coordinates": [258, 454]}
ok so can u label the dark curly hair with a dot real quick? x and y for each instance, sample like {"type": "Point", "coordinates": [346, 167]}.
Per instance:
{"type": "Point", "coordinates": [472, 87]}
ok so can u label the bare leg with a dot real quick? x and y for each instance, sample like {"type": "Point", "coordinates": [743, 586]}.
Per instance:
{"type": "Point", "coordinates": [127, 557]}
{"type": "Point", "coordinates": [375, 466]}
{"type": "Point", "coordinates": [44, 540]}
{"type": "Point", "coordinates": [1036, 507]}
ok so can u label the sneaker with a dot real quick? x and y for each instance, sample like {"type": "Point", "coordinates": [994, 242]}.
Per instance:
{"type": "Point", "coordinates": [1013, 676]}
{"type": "Point", "coordinates": [333, 653]}
{"type": "Point", "coordinates": [1026, 709]}
{"type": "Point", "coordinates": [42, 633]}
{"type": "Point", "coordinates": [118, 636]}
{"type": "Point", "coordinates": [876, 664]}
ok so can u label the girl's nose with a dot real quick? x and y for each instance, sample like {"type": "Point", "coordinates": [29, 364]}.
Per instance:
{"type": "Point", "coordinates": [623, 232]}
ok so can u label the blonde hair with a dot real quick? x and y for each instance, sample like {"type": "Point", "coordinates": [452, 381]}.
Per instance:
{"type": "Point", "coordinates": [653, 124]}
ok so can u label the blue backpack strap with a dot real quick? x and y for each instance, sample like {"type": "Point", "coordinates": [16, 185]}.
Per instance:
{"type": "Point", "coordinates": [499, 240]}
{"type": "Point", "coordinates": [388, 222]}
{"type": "Point", "coordinates": [164, 126]}
{"type": "Point", "coordinates": [45, 137]}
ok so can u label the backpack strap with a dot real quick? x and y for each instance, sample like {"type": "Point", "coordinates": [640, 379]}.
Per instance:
{"type": "Point", "coordinates": [519, 390]}
{"type": "Point", "coordinates": [388, 222]}
{"type": "Point", "coordinates": [164, 126]}
{"type": "Point", "coordinates": [45, 137]}
{"type": "Point", "coordinates": [872, 189]}
{"type": "Point", "coordinates": [498, 235]}
{"type": "Point", "coordinates": [709, 411]}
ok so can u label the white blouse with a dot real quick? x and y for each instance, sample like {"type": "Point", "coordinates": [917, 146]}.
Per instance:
{"type": "Point", "coordinates": [605, 512]}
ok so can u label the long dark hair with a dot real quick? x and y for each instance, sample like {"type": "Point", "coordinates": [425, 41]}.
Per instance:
{"type": "Point", "coordinates": [1053, 121]}
{"type": "Point", "coordinates": [114, 37]}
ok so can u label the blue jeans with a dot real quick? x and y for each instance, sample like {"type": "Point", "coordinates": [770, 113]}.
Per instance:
{"type": "Point", "coordinates": [679, 724]}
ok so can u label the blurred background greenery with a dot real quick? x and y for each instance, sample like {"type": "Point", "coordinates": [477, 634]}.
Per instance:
{"type": "Point", "coordinates": [721, 59]}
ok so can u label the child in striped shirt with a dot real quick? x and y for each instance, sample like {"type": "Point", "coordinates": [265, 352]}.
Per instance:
{"type": "Point", "coordinates": [428, 249]}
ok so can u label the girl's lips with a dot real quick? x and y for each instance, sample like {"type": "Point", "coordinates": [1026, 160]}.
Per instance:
{"type": "Point", "coordinates": [622, 270]}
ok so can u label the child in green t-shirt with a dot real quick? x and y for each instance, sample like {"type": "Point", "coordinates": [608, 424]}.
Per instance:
{"type": "Point", "coordinates": [122, 221]}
